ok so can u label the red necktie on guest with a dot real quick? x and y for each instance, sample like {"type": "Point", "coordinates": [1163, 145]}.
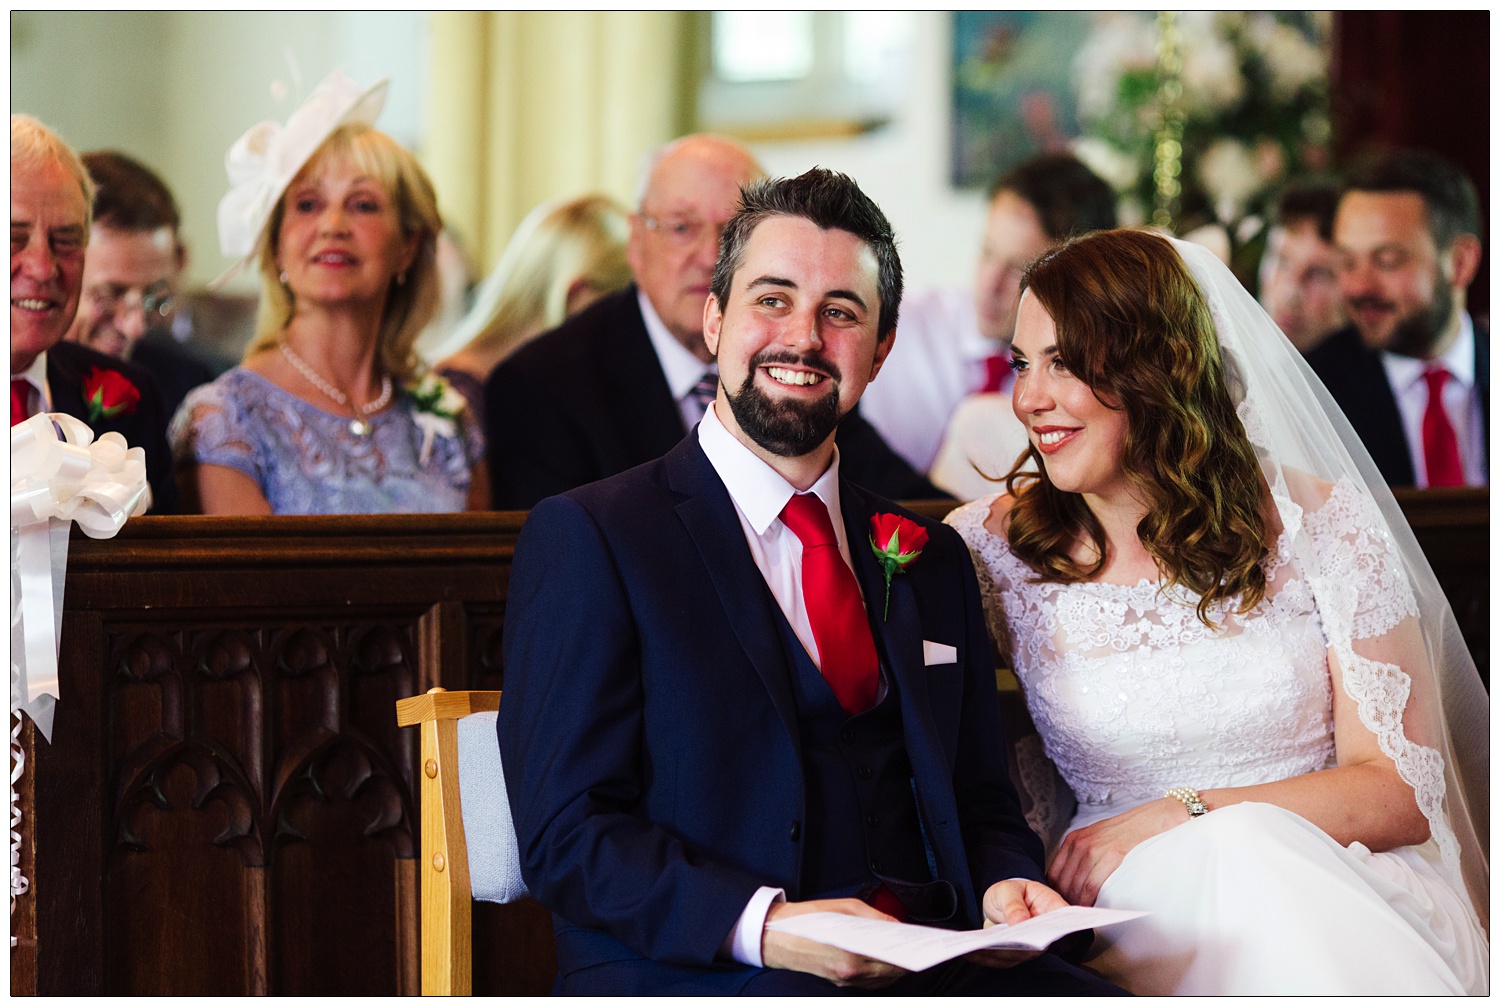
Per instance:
{"type": "Point", "coordinates": [839, 625]}
{"type": "Point", "coordinates": [996, 370]}
{"type": "Point", "coordinates": [1445, 466]}
{"type": "Point", "coordinates": [20, 396]}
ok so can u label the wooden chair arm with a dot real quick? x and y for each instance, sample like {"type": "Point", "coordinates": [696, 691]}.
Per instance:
{"type": "Point", "coordinates": [440, 704]}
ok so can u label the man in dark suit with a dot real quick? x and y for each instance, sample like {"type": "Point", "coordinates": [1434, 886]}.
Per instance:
{"type": "Point", "coordinates": [712, 720]}
{"type": "Point", "coordinates": [130, 276]}
{"type": "Point", "coordinates": [1411, 370]}
{"type": "Point", "coordinates": [621, 382]}
{"type": "Point", "coordinates": [49, 210]}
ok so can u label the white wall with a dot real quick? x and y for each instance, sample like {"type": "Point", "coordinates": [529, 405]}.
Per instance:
{"type": "Point", "coordinates": [904, 168]}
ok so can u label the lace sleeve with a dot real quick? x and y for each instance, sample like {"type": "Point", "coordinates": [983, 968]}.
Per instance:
{"type": "Point", "coordinates": [211, 428]}
{"type": "Point", "coordinates": [1372, 623]}
{"type": "Point", "coordinates": [1355, 549]}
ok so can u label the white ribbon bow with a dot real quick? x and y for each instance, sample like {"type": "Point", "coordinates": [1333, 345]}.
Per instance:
{"type": "Point", "coordinates": [57, 479]}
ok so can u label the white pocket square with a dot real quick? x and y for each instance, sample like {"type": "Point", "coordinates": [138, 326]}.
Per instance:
{"type": "Point", "coordinates": [938, 653]}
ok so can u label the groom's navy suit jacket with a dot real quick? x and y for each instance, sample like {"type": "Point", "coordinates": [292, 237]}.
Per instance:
{"type": "Point", "coordinates": [649, 728]}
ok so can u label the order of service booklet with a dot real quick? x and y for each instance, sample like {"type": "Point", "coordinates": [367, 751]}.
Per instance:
{"type": "Point", "coordinates": [915, 948]}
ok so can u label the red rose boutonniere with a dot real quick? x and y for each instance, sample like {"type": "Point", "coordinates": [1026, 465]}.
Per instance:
{"type": "Point", "coordinates": [897, 542]}
{"type": "Point", "coordinates": [109, 394]}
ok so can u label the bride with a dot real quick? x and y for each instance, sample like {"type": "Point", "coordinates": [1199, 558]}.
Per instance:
{"type": "Point", "coordinates": [1231, 646]}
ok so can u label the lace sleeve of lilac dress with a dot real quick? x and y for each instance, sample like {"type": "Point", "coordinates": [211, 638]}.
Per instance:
{"type": "Point", "coordinates": [306, 460]}
{"type": "Point", "coordinates": [212, 427]}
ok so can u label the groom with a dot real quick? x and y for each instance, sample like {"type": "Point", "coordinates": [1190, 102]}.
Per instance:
{"type": "Point", "coordinates": [712, 720]}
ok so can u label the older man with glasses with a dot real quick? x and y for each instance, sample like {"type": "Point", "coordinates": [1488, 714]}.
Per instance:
{"type": "Point", "coordinates": [620, 383]}
{"type": "Point", "coordinates": [130, 276]}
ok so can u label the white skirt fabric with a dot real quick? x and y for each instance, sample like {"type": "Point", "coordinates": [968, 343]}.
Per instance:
{"type": "Point", "coordinates": [1254, 899]}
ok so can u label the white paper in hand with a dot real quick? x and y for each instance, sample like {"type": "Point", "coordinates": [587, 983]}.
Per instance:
{"type": "Point", "coordinates": [915, 948]}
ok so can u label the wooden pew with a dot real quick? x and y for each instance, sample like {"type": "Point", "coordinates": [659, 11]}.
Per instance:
{"type": "Point", "coordinates": [228, 805]}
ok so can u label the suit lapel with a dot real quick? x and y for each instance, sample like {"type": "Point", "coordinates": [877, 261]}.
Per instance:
{"type": "Point", "coordinates": [65, 382]}
{"type": "Point", "coordinates": [898, 634]}
{"type": "Point", "coordinates": [646, 414]}
{"type": "Point", "coordinates": [708, 514]}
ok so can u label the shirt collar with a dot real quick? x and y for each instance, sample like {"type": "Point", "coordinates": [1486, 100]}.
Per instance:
{"type": "Point", "coordinates": [1459, 360]}
{"type": "Point", "coordinates": [756, 488]}
{"type": "Point", "coordinates": [36, 376]}
{"type": "Point", "coordinates": [681, 368]}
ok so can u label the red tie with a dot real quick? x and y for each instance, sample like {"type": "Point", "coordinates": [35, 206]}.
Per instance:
{"type": "Point", "coordinates": [1439, 442]}
{"type": "Point", "coordinates": [996, 370]}
{"type": "Point", "coordinates": [839, 625]}
{"type": "Point", "coordinates": [20, 395]}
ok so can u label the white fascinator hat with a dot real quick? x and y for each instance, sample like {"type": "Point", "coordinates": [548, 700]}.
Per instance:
{"type": "Point", "coordinates": [263, 162]}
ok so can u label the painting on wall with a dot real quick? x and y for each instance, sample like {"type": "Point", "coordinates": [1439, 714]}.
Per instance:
{"type": "Point", "coordinates": [1013, 89]}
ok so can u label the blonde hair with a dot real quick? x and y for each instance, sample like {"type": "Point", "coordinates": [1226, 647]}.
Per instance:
{"type": "Point", "coordinates": [33, 144]}
{"type": "Point", "coordinates": [410, 305]}
{"type": "Point", "coordinates": [555, 246]}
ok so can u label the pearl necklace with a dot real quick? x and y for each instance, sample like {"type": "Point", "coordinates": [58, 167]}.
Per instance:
{"type": "Point", "coordinates": [359, 426]}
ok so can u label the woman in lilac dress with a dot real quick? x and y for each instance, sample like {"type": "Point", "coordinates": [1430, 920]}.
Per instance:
{"type": "Point", "coordinates": [330, 412]}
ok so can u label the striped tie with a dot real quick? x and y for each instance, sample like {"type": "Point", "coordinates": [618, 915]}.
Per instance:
{"type": "Point", "coordinates": [705, 391]}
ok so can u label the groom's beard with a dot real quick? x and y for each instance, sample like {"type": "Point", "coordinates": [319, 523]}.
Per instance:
{"type": "Point", "coordinates": [786, 428]}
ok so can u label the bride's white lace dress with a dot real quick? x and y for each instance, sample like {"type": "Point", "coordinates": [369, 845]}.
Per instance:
{"type": "Point", "coordinates": [1132, 694]}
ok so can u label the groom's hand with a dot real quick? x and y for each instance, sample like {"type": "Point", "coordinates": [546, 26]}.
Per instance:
{"type": "Point", "coordinates": [842, 968]}
{"type": "Point", "coordinates": [1012, 902]}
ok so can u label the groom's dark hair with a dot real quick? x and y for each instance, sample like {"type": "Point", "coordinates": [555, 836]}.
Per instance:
{"type": "Point", "coordinates": [829, 199]}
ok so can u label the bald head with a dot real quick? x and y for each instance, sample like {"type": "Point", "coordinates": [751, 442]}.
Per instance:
{"type": "Point", "coordinates": [690, 191]}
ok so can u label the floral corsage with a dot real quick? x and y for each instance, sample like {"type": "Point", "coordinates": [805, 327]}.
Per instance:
{"type": "Point", "coordinates": [109, 394]}
{"type": "Point", "coordinates": [897, 542]}
{"type": "Point", "coordinates": [438, 405]}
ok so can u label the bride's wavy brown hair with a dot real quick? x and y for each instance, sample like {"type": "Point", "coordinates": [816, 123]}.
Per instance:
{"type": "Point", "coordinates": [1134, 327]}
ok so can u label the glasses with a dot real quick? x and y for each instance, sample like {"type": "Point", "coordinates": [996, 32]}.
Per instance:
{"type": "Point", "coordinates": [157, 302]}
{"type": "Point", "coordinates": [682, 230]}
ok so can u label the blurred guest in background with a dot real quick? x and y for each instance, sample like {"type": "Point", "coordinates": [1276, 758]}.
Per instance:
{"type": "Point", "coordinates": [328, 413]}
{"type": "Point", "coordinates": [1299, 285]}
{"type": "Point", "coordinates": [50, 198]}
{"type": "Point", "coordinates": [948, 405]}
{"type": "Point", "coordinates": [562, 258]}
{"type": "Point", "coordinates": [1412, 370]}
{"type": "Point", "coordinates": [131, 275]}
{"type": "Point", "coordinates": [623, 381]}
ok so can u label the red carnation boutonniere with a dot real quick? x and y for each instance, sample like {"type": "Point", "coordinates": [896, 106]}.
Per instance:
{"type": "Point", "coordinates": [109, 394]}
{"type": "Point", "coordinates": [897, 542]}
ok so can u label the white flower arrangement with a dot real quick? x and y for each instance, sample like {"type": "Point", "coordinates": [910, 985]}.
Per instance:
{"type": "Point", "coordinates": [438, 407]}
{"type": "Point", "coordinates": [1254, 108]}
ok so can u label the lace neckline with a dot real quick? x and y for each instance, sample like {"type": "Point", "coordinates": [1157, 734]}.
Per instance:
{"type": "Point", "coordinates": [977, 515]}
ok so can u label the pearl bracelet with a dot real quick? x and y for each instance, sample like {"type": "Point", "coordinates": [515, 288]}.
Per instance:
{"type": "Point", "coordinates": [1190, 800]}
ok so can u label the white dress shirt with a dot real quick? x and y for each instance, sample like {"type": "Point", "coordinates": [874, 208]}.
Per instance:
{"type": "Point", "coordinates": [1460, 401]}
{"type": "Point", "coordinates": [937, 360]}
{"type": "Point", "coordinates": [681, 368]}
{"type": "Point", "coordinates": [759, 494]}
{"type": "Point", "coordinates": [40, 398]}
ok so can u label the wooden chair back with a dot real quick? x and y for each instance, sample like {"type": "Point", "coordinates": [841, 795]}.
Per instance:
{"type": "Point", "coordinates": [447, 894]}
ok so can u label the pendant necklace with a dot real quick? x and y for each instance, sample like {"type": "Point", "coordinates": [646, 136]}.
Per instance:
{"type": "Point", "coordinates": [359, 426]}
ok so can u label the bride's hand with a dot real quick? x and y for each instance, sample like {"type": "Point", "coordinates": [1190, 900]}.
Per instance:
{"type": "Point", "coordinates": [1090, 855]}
